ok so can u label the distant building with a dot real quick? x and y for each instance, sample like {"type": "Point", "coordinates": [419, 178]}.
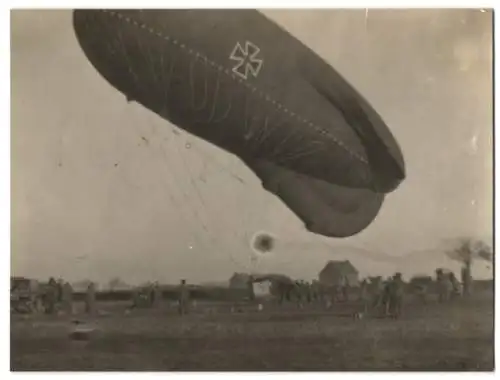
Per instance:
{"type": "Point", "coordinates": [82, 286]}
{"type": "Point", "coordinates": [117, 284]}
{"type": "Point", "coordinates": [335, 272]}
{"type": "Point", "coordinates": [239, 280]}
{"type": "Point", "coordinates": [21, 285]}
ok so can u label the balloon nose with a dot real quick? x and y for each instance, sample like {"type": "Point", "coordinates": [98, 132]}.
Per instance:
{"type": "Point", "coordinates": [99, 35]}
{"type": "Point", "coordinates": [86, 24]}
{"type": "Point", "coordinates": [95, 31]}
{"type": "Point", "coordinates": [83, 20]}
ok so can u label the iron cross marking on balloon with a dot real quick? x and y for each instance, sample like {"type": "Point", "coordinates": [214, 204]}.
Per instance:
{"type": "Point", "coordinates": [247, 60]}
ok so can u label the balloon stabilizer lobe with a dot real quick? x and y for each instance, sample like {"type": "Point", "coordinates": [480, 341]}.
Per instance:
{"type": "Point", "coordinates": [239, 81]}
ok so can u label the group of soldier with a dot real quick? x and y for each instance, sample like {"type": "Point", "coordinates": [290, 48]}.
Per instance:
{"type": "Point", "coordinates": [151, 295]}
{"type": "Point", "coordinates": [50, 298]}
{"type": "Point", "coordinates": [388, 294]}
{"type": "Point", "coordinates": [448, 287]}
{"type": "Point", "coordinates": [57, 296]}
{"type": "Point", "coordinates": [374, 293]}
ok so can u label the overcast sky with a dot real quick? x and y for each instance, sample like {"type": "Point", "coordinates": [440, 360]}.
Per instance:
{"type": "Point", "coordinates": [103, 188]}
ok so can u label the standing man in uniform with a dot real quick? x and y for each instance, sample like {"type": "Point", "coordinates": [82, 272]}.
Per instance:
{"type": "Point", "coordinates": [466, 281]}
{"type": "Point", "coordinates": [51, 296]}
{"type": "Point", "coordinates": [251, 292]}
{"type": "Point", "coordinates": [455, 285]}
{"type": "Point", "coordinates": [183, 298]}
{"type": "Point", "coordinates": [67, 298]}
{"type": "Point", "coordinates": [157, 295]}
{"type": "Point", "coordinates": [363, 294]}
{"type": "Point", "coordinates": [443, 286]}
{"type": "Point", "coordinates": [345, 289]}
{"type": "Point", "coordinates": [396, 295]}
{"type": "Point", "coordinates": [90, 299]}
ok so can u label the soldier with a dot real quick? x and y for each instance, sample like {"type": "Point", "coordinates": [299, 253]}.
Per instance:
{"type": "Point", "coordinates": [363, 288]}
{"type": "Point", "coordinates": [466, 281]}
{"type": "Point", "coordinates": [455, 285]}
{"type": "Point", "coordinates": [333, 292]}
{"type": "Point", "coordinates": [385, 298]}
{"type": "Point", "coordinates": [135, 298]}
{"type": "Point", "coordinates": [303, 292]}
{"type": "Point", "coordinates": [308, 291]}
{"type": "Point", "coordinates": [156, 295]}
{"type": "Point", "coordinates": [151, 294]}
{"type": "Point", "coordinates": [298, 290]}
{"type": "Point", "coordinates": [443, 286]}
{"type": "Point", "coordinates": [376, 291]}
{"type": "Point", "coordinates": [90, 299]}
{"type": "Point", "coordinates": [251, 292]}
{"type": "Point", "coordinates": [67, 298]}
{"type": "Point", "coordinates": [344, 289]}
{"type": "Point", "coordinates": [332, 295]}
{"type": "Point", "coordinates": [183, 298]}
{"type": "Point", "coordinates": [420, 290]}
{"type": "Point", "coordinates": [328, 295]}
{"type": "Point", "coordinates": [315, 290]}
{"type": "Point", "coordinates": [50, 296]}
{"type": "Point", "coordinates": [363, 294]}
{"type": "Point", "coordinates": [59, 287]}
{"type": "Point", "coordinates": [396, 293]}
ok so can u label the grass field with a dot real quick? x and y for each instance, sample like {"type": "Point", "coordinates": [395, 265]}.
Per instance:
{"type": "Point", "coordinates": [456, 336]}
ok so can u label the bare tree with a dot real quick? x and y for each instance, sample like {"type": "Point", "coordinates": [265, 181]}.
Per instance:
{"type": "Point", "coordinates": [466, 250]}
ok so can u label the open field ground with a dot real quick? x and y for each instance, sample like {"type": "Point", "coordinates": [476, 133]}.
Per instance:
{"type": "Point", "coordinates": [455, 336]}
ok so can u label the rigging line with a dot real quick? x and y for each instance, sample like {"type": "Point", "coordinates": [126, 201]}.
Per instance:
{"type": "Point", "coordinates": [202, 204]}
{"type": "Point", "coordinates": [241, 239]}
{"type": "Point", "coordinates": [170, 185]}
{"type": "Point", "coordinates": [191, 177]}
{"type": "Point", "coordinates": [235, 236]}
{"type": "Point", "coordinates": [238, 236]}
{"type": "Point", "coordinates": [198, 237]}
{"type": "Point", "coordinates": [59, 148]}
{"type": "Point", "coordinates": [213, 241]}
{"type": "Point", "coordinates": [219, 166]}
{"type": "Point", "coordinates": [210, 158]}
{"type": "Point", "coordinates": [195, 215]}
{"type": "Point", "coordinates": [118, 166]}
{"type": "Point", "coordinates": [187, 170]}
{"type": "Point", "coordinates": [194, 210]}
{"type": "Point", "coordinates": [236, 239]}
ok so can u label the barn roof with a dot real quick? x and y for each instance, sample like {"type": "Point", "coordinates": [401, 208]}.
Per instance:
{"type": "Point", "coordinates": [273, 277]}
{"type": "Point", "coordinates": [343, 266]}
{"type": "Point", "coordinates": [239, 276]}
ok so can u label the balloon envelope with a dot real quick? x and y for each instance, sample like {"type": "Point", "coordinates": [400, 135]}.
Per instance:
{"type": "Point", "coordinates": [239, 81]}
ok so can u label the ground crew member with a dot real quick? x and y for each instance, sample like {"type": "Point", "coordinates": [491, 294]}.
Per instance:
{"type": "Point", "coordinates": [183, 298]}
{"type": "Point", "coordinates": [396, 294]}
{"type": "Point", "coordinates": [67, 298]}
{"type": "Point", "coordinates": [454, 285]}
{"type": "Point", "coordinates": [51, 296]}
{"type": "Point", "coordinates": [90, 299]}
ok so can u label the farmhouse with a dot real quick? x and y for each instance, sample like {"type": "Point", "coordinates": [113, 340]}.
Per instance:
{"type": "Point", "coordinates": [239, 280]}
{"type": "Point", "coordinates": [336, 272]}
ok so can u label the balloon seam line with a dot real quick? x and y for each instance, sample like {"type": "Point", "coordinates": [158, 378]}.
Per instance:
{"type": "Point", "coordinates": [234, 77]}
